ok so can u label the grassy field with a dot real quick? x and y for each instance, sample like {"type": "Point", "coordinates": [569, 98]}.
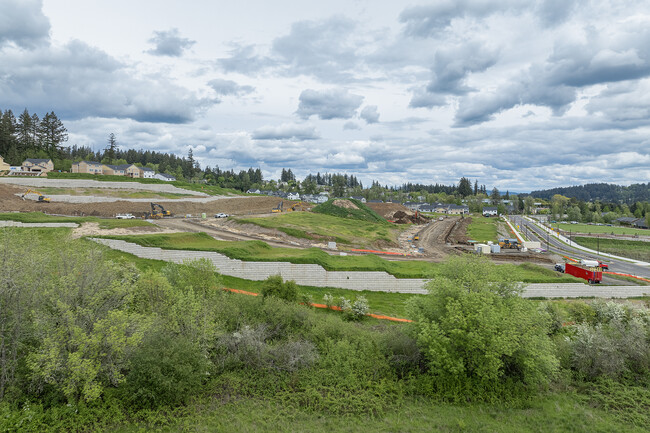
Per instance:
{"type": "Point", "coordinates": [39, 217]}
{"type": "Point", "coordinates": [557, 412]}
{"type": "Point", "coordinates": [362, 212]}
{"type": "Point", "coordinates": [483, 229]}
{"type": "Point", "coordinates": [350, 232]}
{"type": "Point", "coordinates": [586, 228]}
{"type": "Point", "coordinates": [260, 251]}
{"type": "Point", "coordinates": [208, 189]}
{"type": "Point", "coordinates": [637, 250]}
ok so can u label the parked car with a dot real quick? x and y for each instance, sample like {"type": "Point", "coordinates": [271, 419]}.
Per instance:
{"type": "Point", "coordinates": [221, 215]}
{"type": "Point", "coordinates": [559, 267]}
{"type": "Point", "coordinates": [124, 216]}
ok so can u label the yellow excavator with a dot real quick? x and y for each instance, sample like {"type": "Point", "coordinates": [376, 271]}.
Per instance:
{"type": "Point", "coordinates": [41, 197]}
{"type": "Point", "coordinates": [157, 212]}
{"type": "Point", "coordinates": [279, 208]}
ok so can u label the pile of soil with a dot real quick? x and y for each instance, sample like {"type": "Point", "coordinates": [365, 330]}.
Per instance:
{"type": "Point", "coordinates": [386, 209]}
{"type": "Point", "coordinates": [347, 204]}
{"type": "Point", "coordinates": [407, 217]}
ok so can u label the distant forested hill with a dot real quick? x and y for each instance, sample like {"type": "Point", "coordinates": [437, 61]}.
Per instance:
{"type": "Point", "coordinates": [600, 191]}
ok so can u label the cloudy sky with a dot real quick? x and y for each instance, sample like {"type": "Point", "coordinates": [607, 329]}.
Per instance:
{"type": "Point", "coordinates": [519, 95]}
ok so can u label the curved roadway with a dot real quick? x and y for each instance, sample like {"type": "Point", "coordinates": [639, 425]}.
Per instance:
{"type": "Point", "coordinates": [535, 233]}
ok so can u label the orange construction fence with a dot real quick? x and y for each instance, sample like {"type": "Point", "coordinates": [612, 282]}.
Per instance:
{"type": "Point", "coordinates": [334, 307]}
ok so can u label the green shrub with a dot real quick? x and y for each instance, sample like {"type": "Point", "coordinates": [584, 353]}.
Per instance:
{"type": "Point", "coordinates": [275, 286]}
{"type": "Point", "coordinates": [166, 370]}
{"type": "Point", "coordinates": [480, 339]}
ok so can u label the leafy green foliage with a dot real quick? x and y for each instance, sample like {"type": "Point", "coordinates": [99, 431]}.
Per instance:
{"type": "Point", "coordinates": [275, 286]}
{"type": "Point", "coordinates": [479, 337]}
{"type": "Point", "coordinates": [166, 370]}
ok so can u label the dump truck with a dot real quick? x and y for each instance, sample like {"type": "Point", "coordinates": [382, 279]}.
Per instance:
{"type": "Point", "coordinates": [591, 274]}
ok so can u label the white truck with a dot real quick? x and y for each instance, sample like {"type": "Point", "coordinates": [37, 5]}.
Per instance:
{"type": "Point", "coordinates": [125, 216]}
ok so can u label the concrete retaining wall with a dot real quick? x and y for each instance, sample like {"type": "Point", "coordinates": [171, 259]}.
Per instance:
{"type": "Point", "coordinates": [315, 275]}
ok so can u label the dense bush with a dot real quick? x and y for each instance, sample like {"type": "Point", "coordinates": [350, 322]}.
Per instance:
{"type": "Point", "coordinates": [479, 337]}
{"type": "Point", "coordinates": [165, 370]}
{"type": "Point", "coordinates": [276, 286]}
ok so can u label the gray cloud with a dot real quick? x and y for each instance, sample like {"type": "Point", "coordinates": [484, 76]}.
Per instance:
{"type": "Point", "coordinates": [23, 23]}
{"type": "Point", "coordinates": [245, 60]}
{"type": "Point", "coordinates": [79, 81]}
{"type": "Point", "coordinates": [423, 99]}
{"type": "Point", "coordinates": [169, 43]}
{"type": "Point", "coordinates": [351, 126]}
{"type": "Point", "coordinates": [430, 20]}
{"type": "Point", "coordinates": [328, 104]}
{"type": "Point", "coordinates": [370, 114]}
{"type": "Point", "coordinates": [320, 48]}
{"type": "Point", "coordinates": [554, 12]}
{"type": "Point", "coordinates": [286, 132]}
{"type": "Point", "coordinates": [555, 82]}
{"type": "Point", "coordinates": [229, 88]}
{"type": "Point", "coordinates": [453, 64]}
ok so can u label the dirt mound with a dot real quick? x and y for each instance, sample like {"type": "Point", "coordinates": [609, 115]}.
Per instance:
{"type": "Point", "coordinates": [407, 217]}
{"type": "Point", "coordinates": [345, 204]}
{"type": "Point", "coordinates": [386, 209]}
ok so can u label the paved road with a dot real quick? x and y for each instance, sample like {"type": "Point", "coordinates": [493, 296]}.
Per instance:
{"type": "Point", "coordinates": [534, 232]}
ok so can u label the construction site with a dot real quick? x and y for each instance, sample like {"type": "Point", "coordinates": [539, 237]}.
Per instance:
{"type": "Point", "coordinates": [421, 237]}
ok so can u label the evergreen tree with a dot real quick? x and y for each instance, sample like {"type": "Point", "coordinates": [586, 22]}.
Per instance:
{"type": "Point", "coordinates": [464, 187]}
{"type": "Point", "coordinates": [53, 134]}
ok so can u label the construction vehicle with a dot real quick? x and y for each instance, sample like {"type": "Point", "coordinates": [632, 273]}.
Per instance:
{"type": "Point", "coordinates": [278, 208]}
{"type": "Point", "coordinates": [41, 197]}
{"type": "Point", "coordinates": [591, 274]}
{"type": "Point", "coordinates": [509, 243]}
{"type": "Point", "coordinates": [157, 212]}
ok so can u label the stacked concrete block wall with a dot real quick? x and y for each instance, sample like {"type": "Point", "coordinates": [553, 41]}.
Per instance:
{"type": "Point", "coordinates": [315, 275]}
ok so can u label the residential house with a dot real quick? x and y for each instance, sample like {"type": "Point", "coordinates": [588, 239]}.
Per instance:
{"type": "Point", "coordinates": [293, 196]}
{"type": "Point", "coordinates": [38, 165]}
{"type": "Point", "coordinates": [91, 167]}
{"type": "Point", "coordinates": [253, 191]}
{"type": "Point", "coordinates": [164, 176]}
{"type": "Point", "coordinates": [375, 201]}
{"type": "Point", "coordinates": [427, 208]}
{"type": "Point", "coordinates": [113, 170]}
{"type": "Point", "coordinates": [412, 205]}
{"type": "Point", "coordinates": [357, 197]}
{"type": "Point", "coordinates": [640, 223]}
{"type": "Point", "coordinates": [490, 211]}
{"type": "Point", "coordinates": [626, 221]}
{"type": "Point", "coordinates": [147, 173]}
{"type": "Point", "coordinates": [457, 209]}
{"type": "Point", "coordinates": [3, 165]}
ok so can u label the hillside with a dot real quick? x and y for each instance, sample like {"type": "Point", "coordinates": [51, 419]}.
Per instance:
{"type": "Point", "coordinates": [600, 191]}
{"type": "Point", "coordinates": [352, 209]}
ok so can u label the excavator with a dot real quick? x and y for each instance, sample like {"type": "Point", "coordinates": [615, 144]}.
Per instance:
{"type": "Point", "coordinates": [41, 197]}
{"type": "Point", "coordinates": [157, 212]}
{"type": "Point", "coordinates": [280, 207]}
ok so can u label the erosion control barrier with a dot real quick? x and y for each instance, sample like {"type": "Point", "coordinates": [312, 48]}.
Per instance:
{"type": "Point", "coordinates": [334, 307]}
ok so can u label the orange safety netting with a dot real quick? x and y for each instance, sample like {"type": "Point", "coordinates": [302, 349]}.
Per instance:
{"type": "Point", "coordinates": [333, 307]}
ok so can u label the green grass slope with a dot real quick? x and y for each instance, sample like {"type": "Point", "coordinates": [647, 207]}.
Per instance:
{"type": "Point", "coordinates": [363, 213]}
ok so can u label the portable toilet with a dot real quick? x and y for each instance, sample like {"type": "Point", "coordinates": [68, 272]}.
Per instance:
{"type": "Point", "coordinates": [485, 249]}
{"type": "Point", "coordinates": [203, 215]}
{"type": "Point", "coordinates": [495, 248]}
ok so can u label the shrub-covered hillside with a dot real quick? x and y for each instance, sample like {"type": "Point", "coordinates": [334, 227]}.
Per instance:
{"type": "Point", "coordinates": [351, 208]}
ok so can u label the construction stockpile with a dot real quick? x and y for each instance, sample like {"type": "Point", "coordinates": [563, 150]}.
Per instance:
{"type": "Point", "coordinates": [406, 217]}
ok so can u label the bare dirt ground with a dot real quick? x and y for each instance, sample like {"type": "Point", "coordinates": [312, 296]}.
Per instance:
{"type": "Point", "coordinates": [90, 229]}
{"type": "Point", "coordinates": [10, 202]}
{"type": "Point", "coordinates": [438, 239]}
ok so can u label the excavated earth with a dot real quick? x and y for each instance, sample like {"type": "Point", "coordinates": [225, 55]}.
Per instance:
{"type": "Point", "coordinates": [10, 202]}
